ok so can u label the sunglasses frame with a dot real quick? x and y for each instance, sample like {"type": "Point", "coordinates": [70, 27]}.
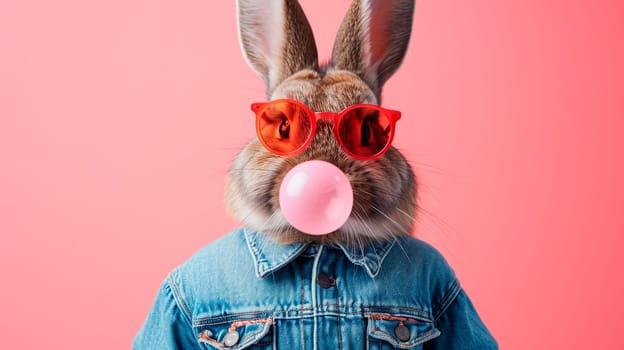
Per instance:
{"type": "Point", "coordinates": [393, 116]}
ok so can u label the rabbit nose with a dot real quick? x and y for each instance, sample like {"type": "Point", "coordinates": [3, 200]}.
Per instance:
{"type": "Point", "coordinates": [316, 197]}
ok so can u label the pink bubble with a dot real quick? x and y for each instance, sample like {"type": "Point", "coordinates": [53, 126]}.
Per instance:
{"type": "Point", "coordinates": [316, 197]}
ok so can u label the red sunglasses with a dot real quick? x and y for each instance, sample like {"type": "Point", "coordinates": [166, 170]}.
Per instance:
{"type": "Point", "coordinates": [286, 128]}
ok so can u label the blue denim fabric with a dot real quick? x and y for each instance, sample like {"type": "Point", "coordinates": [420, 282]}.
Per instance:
{"type": "Point", "coordinates": [247, 292]}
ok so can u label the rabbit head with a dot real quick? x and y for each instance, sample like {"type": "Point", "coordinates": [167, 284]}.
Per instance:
{"type": "Point", "coordinates": [277, 42]}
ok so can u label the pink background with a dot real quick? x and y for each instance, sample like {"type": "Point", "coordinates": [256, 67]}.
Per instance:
{"type": "Point", "coordinates": [118, 120]}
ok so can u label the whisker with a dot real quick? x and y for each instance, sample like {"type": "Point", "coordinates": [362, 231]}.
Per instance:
{"type": "Point", "coordinates": [386, 216]}
{"type": "Point", "coordinates": [252, 169]}
{"type": "Point", "coordinates": [441, 223]}
{"type": "Point", "coordinates": [409, 258]}
{"type": "Point", "coordinates": [401, 211]}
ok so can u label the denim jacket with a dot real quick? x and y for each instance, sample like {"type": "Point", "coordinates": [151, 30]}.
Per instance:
{"type": "Point", "coordinates": [244, 291]}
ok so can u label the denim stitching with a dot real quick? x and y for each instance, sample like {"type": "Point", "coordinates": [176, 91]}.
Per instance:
{"type": "Point", "coordinates": [407, 312]}
{"type": "Point", "coordinates": [243, 323]}
{"type": "Point", "coordinates": [253, 250]}
{"type": "Point", "coordinates": [204, 338]}
{"type": "Point", "coordinates": [421, 338]}
{"type": "Point", "coordinates": [370, 261]}
{"type": "Point", "coordinates": [289, 257]}
{"type": "Point", "coordinates": [388, 317]}
{"type": "Point", "coordinates": [251, 335]}
{"type": "Point", "coordinates": [382, 254]}
{"type": "Point", "coordinates": [414, 312]}
{"type": "Point", "coordinates": [338, 305]}
{"type": "Point", "coordinates": [262, 265]}
{"type": "Point", "coordinates": [207, 321]}
{"type": "Point", "coordinates": [179, 299]}
{"type": "Point", "coordinates": [302, 303]}
{"type": "Point", "coordinates": [416, 341]}
{"type": "Point", "coordinates": [446, 300]}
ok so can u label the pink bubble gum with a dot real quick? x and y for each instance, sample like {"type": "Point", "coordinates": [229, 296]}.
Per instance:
{"type": "Point", "coordinates": [316, 197]}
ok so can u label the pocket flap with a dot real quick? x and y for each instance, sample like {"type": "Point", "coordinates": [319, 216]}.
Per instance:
{"type": "Point", "coordinates": [400, 332]}
{"type": "Point", "coordinates": [234, 334]}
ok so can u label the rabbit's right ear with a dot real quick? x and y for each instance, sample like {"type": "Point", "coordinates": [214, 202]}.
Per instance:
{"type": "Point", "coordinates": [372, 39]}
{"type": "Point", "coordinates": [276, 39]}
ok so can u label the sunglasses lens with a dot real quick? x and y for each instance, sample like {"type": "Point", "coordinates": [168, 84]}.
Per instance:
{"type": "Point", "coordinates": [365, 131]}
{"type": "Point", "coordinates": [283, 127]}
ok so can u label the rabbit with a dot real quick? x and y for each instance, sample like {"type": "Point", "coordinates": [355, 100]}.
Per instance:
{"type": "Point", "coordinates": [365, 283]}
{"type": "Point", "coordinates": [369, 48]}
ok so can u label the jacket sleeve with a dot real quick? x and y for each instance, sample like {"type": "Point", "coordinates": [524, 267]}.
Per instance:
{"type": "Point", "coordinates": [167, 326]}
{"type": "Point", "coordinates": [461, 328]}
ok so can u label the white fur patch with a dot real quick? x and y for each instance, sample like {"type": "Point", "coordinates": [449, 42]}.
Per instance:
{"type": "Point", "coordinates": [262, 25]}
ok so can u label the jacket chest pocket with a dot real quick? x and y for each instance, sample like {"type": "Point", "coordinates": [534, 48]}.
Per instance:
{"type": "Point", "coordinates": [385, 332]}
{"type": "Point", "coordinates": [235, 333]}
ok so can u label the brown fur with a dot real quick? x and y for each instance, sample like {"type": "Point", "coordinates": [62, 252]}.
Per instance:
{"type": "Point", "coordinates": [384, 189]}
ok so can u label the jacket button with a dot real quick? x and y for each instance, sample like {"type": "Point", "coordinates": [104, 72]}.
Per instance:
{"type": "Point", "coordinates": [325, 281]}
{"type": "Point", "coordinates": [402, 332]}
{"type": "Point", "coordinates": [231, 338]}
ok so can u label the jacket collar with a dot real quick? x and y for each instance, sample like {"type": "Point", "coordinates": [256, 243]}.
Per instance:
{"type": "Point", "coordinates": [270, 256]}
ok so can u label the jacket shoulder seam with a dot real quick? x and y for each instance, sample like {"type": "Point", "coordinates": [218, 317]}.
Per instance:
{"type": "Point", "coordinates": [447, 299]}
{"type": "Point", "coordinates": [179, 299]}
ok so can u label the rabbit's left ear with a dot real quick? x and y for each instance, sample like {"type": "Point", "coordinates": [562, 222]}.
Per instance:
{"type": "Point", "coordinates": [372, 39]}
{"type": "Point", "coordinates": [276, 39]}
